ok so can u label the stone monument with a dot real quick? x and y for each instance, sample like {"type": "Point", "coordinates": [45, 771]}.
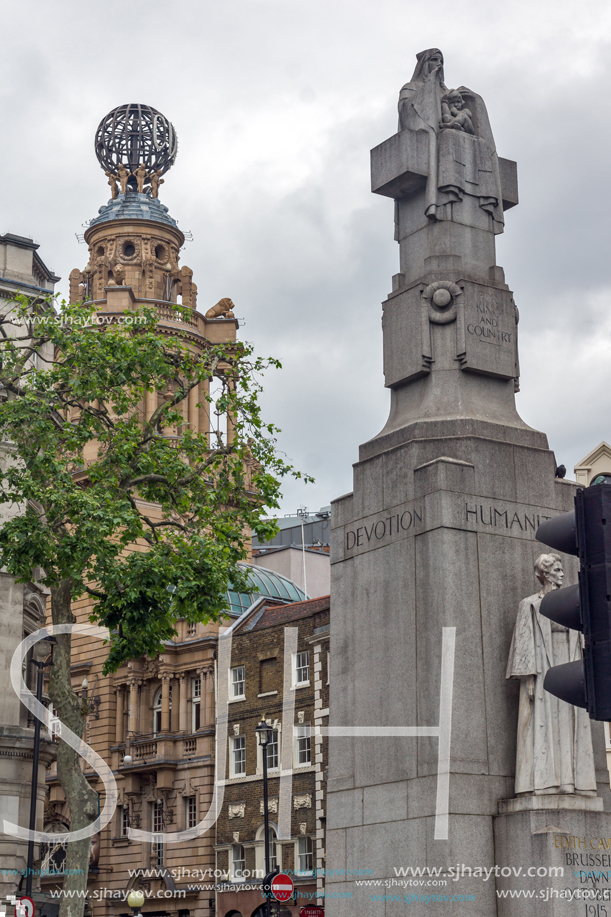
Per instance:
{"type": "Point", "coordinates": [438, 537]}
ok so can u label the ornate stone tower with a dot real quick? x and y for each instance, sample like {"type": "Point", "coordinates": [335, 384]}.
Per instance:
{"type": "Point", "coordinates": [134, 243]}
{"type": "Point", "coordinates": [158, 713]}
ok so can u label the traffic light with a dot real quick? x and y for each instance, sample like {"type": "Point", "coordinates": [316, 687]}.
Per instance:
{"type": "Point", "coordinates": [266, 885]}
{"type": "Point", "coordinates": [585, 532]}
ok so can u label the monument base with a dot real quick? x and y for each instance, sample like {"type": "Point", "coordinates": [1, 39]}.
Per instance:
{"type": "Point", "coordinates": [558, 801]}
{"type": "Point", "coordinates": [553, 861]}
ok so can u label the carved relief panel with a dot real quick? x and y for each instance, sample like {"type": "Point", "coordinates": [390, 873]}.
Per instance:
{"type": "Point", "coordinates": [446, 325]}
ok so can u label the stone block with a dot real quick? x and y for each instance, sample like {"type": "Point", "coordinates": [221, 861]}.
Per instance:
{"type": "Point", "coordinates": [386, 802]}
{"type": "Point", "coordinates": [399, 165]}
{"type": "Point", "coordinates": [336, 854]}
{"type": "Point", "coordinates": [346, 809]}
{"type": "Point", "coordinates": [574, 845]}
{"type": "Point", "coordinates": [444, 473]}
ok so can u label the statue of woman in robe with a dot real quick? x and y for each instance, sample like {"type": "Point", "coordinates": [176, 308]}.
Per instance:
{"type": "Point", "coordinates": [554, 750]}
{"type": "Point", "coordinates": [463, 183]}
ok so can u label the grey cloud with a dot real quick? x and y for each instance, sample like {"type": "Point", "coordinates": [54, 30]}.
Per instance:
{"type": "Point", "coordinates": [277, 105]}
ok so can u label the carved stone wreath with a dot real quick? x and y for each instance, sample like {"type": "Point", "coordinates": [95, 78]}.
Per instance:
{"type": "Point", "coordinates": [302, 802]}
{"type": "Point", "coordinates": [164, 254]}
{"type": "Point", "coordinates": [238, 810]}
{"type": "Point", "coordinates": [123, 243]}
{"type": "Point", "coordinates": [442, 298]}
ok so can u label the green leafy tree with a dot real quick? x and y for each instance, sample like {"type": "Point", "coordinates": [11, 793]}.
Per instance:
{"type": "Point", "coordinates": [84, 466]}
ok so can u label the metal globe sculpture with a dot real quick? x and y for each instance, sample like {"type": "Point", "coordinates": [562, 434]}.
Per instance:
{"type": "Point", "coordinates": [133, 137]}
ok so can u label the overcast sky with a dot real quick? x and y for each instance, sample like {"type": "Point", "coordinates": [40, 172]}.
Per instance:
{"type": "Point", "coordinates": [277, 104]}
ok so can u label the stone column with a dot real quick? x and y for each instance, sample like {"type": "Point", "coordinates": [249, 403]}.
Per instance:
{"type": "Point", "coordinates": [193, 409]}
{"type": "Point", "coordinates": [182, 704]}
{"type": "Point", "coordinates": [119, 715]}
{"type": "Point", "coordinates": [133, 706]}
{"type": "Point", "coordinates": [165, 703]}
{"type": "Point", "coordinates": [204, 410]}
{"type": "Point", "coordinates": [208, 695]}
{"type": "Point", "coordinates": [151, 404]}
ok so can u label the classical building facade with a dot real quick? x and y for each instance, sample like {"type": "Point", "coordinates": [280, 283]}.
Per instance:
{"type": "Point", "coordinates": [22, 609]}
{"type": "Point", "coordinates": [258, 679]}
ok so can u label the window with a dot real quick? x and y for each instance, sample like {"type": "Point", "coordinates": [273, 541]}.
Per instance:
{"type": "Point", "coordinates": [158, 828]}
{"type": "Point", "coordinates": [196, 703]}
{"type": "Point", "coordinates": [238, 861]}
{"type": "Point", "coordinates": [191, 629]}
{"type": "Point", "coordinates": [305, 855]}
{"type": "Point", "coordinates": [302, 669]}
{"type": "Point", "coordinates": [303, 745]}
{"type": "Point", "coordinates": [191, 811]}
{"type": "Point", "coordinates": [238, 683]}
{"type": "Point", "coordinates": [272, 751]}
{"type": "Point", "coordinates": [238, 756]}
{"type": "Point", "coordinates": [124, 821]}
{"type": "Point", "coordinates": [275, 849]}
{"type": "Point", "coordinates": [157, 710]}
{"type": "Point", "coordinates": [267, 676]}
{"type": "Point", "coordinates": [157, 713]}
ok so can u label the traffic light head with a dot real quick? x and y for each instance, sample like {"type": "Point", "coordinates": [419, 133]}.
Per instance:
{"type": "Point", "coordinates": [586, 607]}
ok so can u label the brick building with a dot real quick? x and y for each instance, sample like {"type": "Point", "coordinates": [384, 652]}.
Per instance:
{"type": "Point", "coordinates": [261, 669]}
{"type": "Point", "coordinates": [162, 714]}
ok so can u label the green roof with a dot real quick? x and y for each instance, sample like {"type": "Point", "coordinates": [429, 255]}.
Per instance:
{"type": "Point", "coordinates": [265, 583]}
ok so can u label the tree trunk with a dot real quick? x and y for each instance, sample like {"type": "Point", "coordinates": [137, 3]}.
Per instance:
{"type": "Point", "coordinates": [81, 798]}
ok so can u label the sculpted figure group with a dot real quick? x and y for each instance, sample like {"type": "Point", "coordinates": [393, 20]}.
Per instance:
{"type": "Point", "coordinates": [463, 181]}
{"type": "Point", "coordinates": [123, 175]}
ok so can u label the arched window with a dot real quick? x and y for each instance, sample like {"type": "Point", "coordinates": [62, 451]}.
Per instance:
{"type": "Point", "coordinates": [157, 713]}
{"type": "Point", "coordinates": [275, 850]}
{"type": "Point", "coordinates": [157, 710]}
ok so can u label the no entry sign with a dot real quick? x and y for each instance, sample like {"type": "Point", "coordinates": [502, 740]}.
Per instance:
{"type": "Point", "coordinates": [312, 910]}
{"type": "Point", "coordinates": [282, 887]}
{"type": "Point", "coordinates": [27, 905]}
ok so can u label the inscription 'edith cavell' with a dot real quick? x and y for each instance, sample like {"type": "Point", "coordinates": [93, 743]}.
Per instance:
{"type": "Point", "coordinates": [382, 528]}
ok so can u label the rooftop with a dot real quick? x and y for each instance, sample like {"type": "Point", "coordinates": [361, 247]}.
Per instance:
{"type": "Point", "coordinates": [265, 583]}
{"type": "Point", "coordinates": [273, 613]}
{"type": "Point", "coordinates": [134, 206]}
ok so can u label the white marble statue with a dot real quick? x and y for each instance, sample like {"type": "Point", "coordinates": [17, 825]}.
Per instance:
{"type": "Point", "coordinates": [554, 750]}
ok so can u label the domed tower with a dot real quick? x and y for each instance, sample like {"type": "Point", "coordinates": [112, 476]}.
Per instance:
{"type": "Point", "coordinates": [134, 243]}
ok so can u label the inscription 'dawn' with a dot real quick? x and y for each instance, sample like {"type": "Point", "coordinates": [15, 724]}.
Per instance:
{"type": "Point", "coordinates": [378, 530]}
{"type": "Point", "coordinates": [490, 515]}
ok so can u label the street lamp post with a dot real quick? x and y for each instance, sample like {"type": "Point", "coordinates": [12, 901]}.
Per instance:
{"type": "Point", "coordinates": [135, 900]}
{"type": "Point", "coordinates": [264, 736]}
{"type": "Point", "coordinates": [40, 651]}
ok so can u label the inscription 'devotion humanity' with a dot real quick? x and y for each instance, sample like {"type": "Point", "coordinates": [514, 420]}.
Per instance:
{"type": "Point", "coordinates": [382, 528]}
{"type": "Point", "coordinates": [497, 518]}
{"type": "Point", "coordinates": [514, 519]}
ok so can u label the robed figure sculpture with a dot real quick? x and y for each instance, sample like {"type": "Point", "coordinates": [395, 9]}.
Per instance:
{"type": "Point", "coordinates": [463, 182]}
{"type": "Point", "coordinates": [554, 749]}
